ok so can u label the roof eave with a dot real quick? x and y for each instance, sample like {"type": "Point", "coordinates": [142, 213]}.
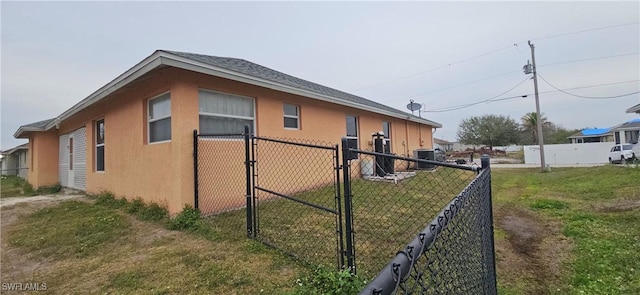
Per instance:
{"type": "Point", "coordinates": [20, 132]}
{"type": "Point", "coordinates": [200, 67]}
{"type": "Point", "coordinates": [141, 68]}
{"type": "Point", "coordinates": [159, 58]}
{"type": "Point", "coordinates": [634, 109]}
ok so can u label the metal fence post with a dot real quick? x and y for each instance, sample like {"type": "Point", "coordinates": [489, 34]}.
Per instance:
{"type": "Point", "coordinates": [348, 214]}
{"type": "Point", "coordinates": [485, 162]}
{"type": "Point", "coordinates": [340, 231]}
{"type": "Point", "coordinates": [195, 169]}
{"type": "Point", "coordinates": [247, 163]}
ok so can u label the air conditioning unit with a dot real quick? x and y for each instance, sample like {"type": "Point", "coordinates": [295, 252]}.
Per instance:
{"type": "Point", "coordinates": [424, 154]}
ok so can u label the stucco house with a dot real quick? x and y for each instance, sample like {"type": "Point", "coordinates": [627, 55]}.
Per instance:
{"type": "Point", "coordinates": [134, 136]}
{"type": "Point", "coordinates": [627, 132]}
{"type": "Point", "coordinates": [14, 161]}
{"type": "Point", "coordinates": [592, 135]}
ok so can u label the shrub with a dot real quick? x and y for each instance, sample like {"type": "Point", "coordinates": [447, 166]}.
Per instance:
{"type": "Point", "coordinates": [135, 206]}
{"type": "Point", "coordinates": [152, 211]}
{"type": "Point", "coordinates": [107, 199]}
{"type": "Point", "coordinates": [188, 219]}
{"type": "Point", "coordinates": [330, 282]}
{"type": "Point", "coordinates": [47, 190]}
{"type": "Point", "coordinates": [27, 189]}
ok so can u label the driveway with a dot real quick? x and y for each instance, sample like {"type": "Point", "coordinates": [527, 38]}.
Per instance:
{"type": "Point", "coordinates": [4, 202]}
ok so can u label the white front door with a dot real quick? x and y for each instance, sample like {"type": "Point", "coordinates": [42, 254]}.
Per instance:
{"type": "Point", "coordinates": [71, 178]}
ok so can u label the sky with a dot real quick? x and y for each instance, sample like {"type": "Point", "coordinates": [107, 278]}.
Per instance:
{"type": "Point", "coordinates": [439, 54]}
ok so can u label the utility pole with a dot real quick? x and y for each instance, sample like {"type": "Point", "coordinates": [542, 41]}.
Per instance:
{"type": "Point", "coordinates": [543, 165]}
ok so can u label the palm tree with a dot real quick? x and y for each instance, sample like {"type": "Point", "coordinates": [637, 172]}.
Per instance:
{"type": "Point", "coordinates": [530, 125]}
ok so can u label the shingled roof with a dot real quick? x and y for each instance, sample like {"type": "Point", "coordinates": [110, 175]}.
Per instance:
{"type": "Point", "coordinates": [256, 70]}
{"type": "Point", "coordinates": [37, 126]}
{"type": "Point", "coordinates": [230, 68]}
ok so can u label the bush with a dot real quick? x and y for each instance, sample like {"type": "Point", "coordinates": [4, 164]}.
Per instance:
{"type": "Point", "coordinates": [152, 211]}
{"type": "Point", "coordinates": [135, 206]}
{"type": "Point", "coordinates": [107, 199]}
{"type": "Point", "coordinates": [47, 190]}
{"type": "Point", "coordinates": [188, 219]}
{"type": "Point", "coordinates": [330, 282]}
{"type": "Point", "coordinates": [27, 189]}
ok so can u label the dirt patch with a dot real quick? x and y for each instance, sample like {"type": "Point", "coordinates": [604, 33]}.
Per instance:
{"type": "Point", "coordinates": [16, 265]}
{"type": "Point", "coordinates": [532, 252]}
{"type": "Point", "coordinates": [618, 206]}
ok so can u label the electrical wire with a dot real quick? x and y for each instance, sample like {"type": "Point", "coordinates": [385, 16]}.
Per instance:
{"type": "Point", "coordinates": [434, 69]}
{"type": "Point", "coordinates": [490, 52]}
{"type": "Point", "coordinates": [582, 96]}
{"type": "Point", "coordinates": [453, 108]}
{"type": "Point", "coordinates": [589, 59]}
{"type": "Point", "coordinates": [506, 73]}
{"type": "Point", "coordinates": [582, 31]}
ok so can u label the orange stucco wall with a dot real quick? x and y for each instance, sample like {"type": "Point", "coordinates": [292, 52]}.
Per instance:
{"type": "Point", "coordinates": [163, 172]}
{"type": "Point", "coordinates": [43, 158]}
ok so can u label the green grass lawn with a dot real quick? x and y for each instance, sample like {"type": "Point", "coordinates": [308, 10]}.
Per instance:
{"type": "Point", "coordinates": [14, 186]}
{"type": "Point", "coordinates": [11, 186]}
{"type": "Point", "coordinates": [570, 231]}
{"type": "Point", "coordinates": [594, 210]}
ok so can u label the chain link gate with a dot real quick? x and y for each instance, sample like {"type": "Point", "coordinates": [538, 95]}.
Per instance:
{"type": "Point", "coordinates": [297, 202]}
{"type": "Point", "coordinates": [285, 193]}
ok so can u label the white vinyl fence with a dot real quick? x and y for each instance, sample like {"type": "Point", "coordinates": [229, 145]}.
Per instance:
{"type": "Point", "coordinates": [580, 153]}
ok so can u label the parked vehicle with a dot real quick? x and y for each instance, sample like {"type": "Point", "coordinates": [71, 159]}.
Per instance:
{"type": "Point", "coordinates": [624, 152]}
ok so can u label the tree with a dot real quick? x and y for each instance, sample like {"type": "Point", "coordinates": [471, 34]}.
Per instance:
{"type": "Point", "coordinates": [489, 130]}
{"type": "Point", "coordinates": [529, 127]}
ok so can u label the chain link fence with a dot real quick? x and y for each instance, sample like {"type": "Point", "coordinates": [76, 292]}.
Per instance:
{"type": "Point", "coordinates": [453, 254]}
{"type": "Point", "coordinates": [297, 193]}
{"type": "Point", "coordinates": [221, 183]}
{"type": "Point", "coordinates": [288, 194]}
{"type": "Point", "coordinates": [392, 199]}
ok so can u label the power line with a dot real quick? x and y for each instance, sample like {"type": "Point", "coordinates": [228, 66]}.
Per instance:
{"type": "Point", "coordinates": [434, 69]}
{"type": "Point", "coordinates": [482, 101]}
{"type": "Point", "coordinates": [506, 73]}
{"type": "Point", "coordinates": [453, 108]}
{"type": "Point", "coordinates": [582, 31]}
{"type": "Point", "coordinates": [490, 52]}
{"type": "Point", "coordinates": [455, 86]}
{"type": "Point", "coordinates": [582, 96]}
{"type": "Point", "coordinates": [589, 59]}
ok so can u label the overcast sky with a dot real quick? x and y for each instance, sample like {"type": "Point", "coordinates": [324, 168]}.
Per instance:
{"type": "Point", "coordinates": [440, 54]}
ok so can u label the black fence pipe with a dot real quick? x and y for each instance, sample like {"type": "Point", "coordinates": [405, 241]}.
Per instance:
{"type": "Point", "coordinates": [195, 169]}
{"type": "Point", "coordinates": [324, 147]}
{"type": "Point", "coordinates": [348, 215]}
{"type": "Point", "coordinates": [339, 231]}
{"type": "Point", "coordinates": [485, 161]}
{"type": "Point", "coordinates": [438, 163]}
{"type": "Point", "coordinates": [254, 178]}
{"type": "Point", "coordinates": [398, 269]}
{"type": "Point", "coordinates": [247, 164]}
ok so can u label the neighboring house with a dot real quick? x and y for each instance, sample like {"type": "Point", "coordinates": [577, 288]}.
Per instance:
{"type": "Point", "coordinates": [627, 132]}
{"type": "Point", "coordinates": [446, 145]}
{"type": "Point", "coordinates": [634, 109]}
{"type": "Point", "coordinates": [14, 161]}
{"type": "Point", "coordinates": [592, 135]}
{"type": "Point", "coordinates": [134, 136]}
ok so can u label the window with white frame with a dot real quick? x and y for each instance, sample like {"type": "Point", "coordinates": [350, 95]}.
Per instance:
{"type": "Point", "coordinates": [224, 113]}
{"type": "Point", "coordinates": [291, 116]}
{"type": "Point", "coordinates": [160, 118]}
{"type": "Point", "coordinates": [386, 129]}
{"type": "Point", "coordinates": [99, 131]}
{"type": "Point", "coordinates": [352, 134]}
